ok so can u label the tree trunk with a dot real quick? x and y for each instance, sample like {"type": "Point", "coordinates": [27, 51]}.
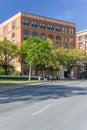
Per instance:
{"type": "Point", "coordinates": [69, 67]}
{"type": "Point", "coordinates": [5, 68]}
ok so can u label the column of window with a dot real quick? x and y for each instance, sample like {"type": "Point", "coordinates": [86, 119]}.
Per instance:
{"type": "Point", "coordinates": [13, 25]}
{"type": "Point", "coordinates": [34, 34]}
{"type": "Point", "coordinates": [71, 40]}
{"type": "Point", "coordinates": [80, 38]}
{"type": "Point", "coordinates": [71, 31]}
{"type": "Point", "coordinates": [25, 22]}
{"type": "Point", "coordinates": [50, 27]}
{"type": "Point", "coordinates": [57, 28]}
{"type": "Point", "coordinates": [85, 37]}
{"type": "Point", "coordinates": [42, 25]}
{"type": "Point", "coordinates": [65, 45]}
{"type": "Point", "coordinates": [58, 44]}
{"type": "Point", "coordinates": [25, 38]}
{"type": "Point", "coordinates": [50, 36]}
{"type": "Point", "coordinates": [65, 39]}
{"type": "Point", "coordinates": [64, 30]}
{"type": "Point", "coordinates": [25, 32]}
{"type": "Point", "coordinates": [80, 44]}
{"type": "Point", "coordinates": [58, 38]}
{"type": "Point", "coordinates": [34, 24]}
{"type": "Point", "coordinates": [13, 41]}
{"type": "Point", "coordinates": [13, 34]}
{"type": "Point", "coordinates": [42, 35]}
{"type": "Point", "coordinates": [4, 29]}
{"type": "Point", "coordinates": [71, 46]}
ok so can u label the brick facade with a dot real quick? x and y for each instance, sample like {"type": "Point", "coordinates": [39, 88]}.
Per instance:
{"type": "Point", "coordinates": [22, 25]}
{"type": "Point", "coordinates": [81, 40]}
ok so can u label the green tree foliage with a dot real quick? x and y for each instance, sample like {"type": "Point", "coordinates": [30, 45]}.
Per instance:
{"type": "Point", "coordinates": [1, 71]}
{"type": "Point", "coordinates": [36, 50]}
{"type": "Point", "coordinates": [8, 52]}
{"type": "Point", "coordinates": [68, 57]}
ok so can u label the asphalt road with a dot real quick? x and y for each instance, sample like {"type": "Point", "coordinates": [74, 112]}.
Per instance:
{"type": "Point", "coordinates": [53, 106]}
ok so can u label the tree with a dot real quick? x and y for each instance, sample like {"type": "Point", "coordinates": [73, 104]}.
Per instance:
{"type": "Point", "coordinates": [36, 50]}
{"type": "Point", "coordinates": [8, 52]}
{"type": "Point", "coordinates": [68, 57]}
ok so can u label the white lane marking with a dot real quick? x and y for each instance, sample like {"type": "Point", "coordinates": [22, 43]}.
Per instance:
{"type": "Point", "coordinates": [40, 110]}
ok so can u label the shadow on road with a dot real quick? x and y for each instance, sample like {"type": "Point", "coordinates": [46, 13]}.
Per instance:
{"type": "Point", "coordinates": [32, 94]}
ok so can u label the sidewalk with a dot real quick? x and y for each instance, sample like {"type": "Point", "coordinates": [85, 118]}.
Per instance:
{"type": "Point", "coordinates": [5, 88]}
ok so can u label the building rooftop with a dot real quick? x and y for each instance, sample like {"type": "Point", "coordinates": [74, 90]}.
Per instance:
{"type": "Point", "coordinates": [25, 14]}
{"type": "Point", "coordinates": [82, 31]}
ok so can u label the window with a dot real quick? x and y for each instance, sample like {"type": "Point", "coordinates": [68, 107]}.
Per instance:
{"type": "Point", "coordinates": [71, 46]}
{"type": "Point", "coordinates": [81, 44]}
{"type": "Point", "coordinates": [65, 45]}
{"type": "Point", "coordinates": [71, 40]}
{"type": "Point", "coordinates": [80, 38]}
{"type": "Point", "coordinates": [42, 35]}
{"type": "Point", "coordinates": [58, 28]}
{"type": "Point", "coordinates": [25, 22]}
{"type": "Point", "coordinates": [50, 36]}
{"type": "Point", "coordinates": [42, 25]}
{"type": "Point", "coordinates": [13, 41]}
{"type": "Point", "coordinates": [13, 24]}
{"type": "Point", "coordinates": [13, 34]}
{"type": "Point", "coordinates": [85, 37]}
{"type": "Point", "coordinates": [4, 30]}
{"type": "Point", "coordinates": [50, 27]}
{"type": "Point", "coordinates": [34, 24]}
{"type": "Point", "coordinates": [58, 38]}
{"type": "Point", "coordinates": [25, 32]}
{"type": "Point", "coordinates": [65, 39]}
{"type": "Point", "coordinates": [25, 38]}
{"type": "Point", "coordinates": [58, 44]}
{"type": "Point", "coordinates": [71, 31]}
{"type": "Point", "coordinates": [34, 34]}
{"type": "Point", "coordinates": [64, 30]}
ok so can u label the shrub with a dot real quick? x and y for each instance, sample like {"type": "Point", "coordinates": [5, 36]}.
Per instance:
{"type": "Point", "coordinates": [2, 71]}
{"type": "Point", "coordinates": [15, 73]}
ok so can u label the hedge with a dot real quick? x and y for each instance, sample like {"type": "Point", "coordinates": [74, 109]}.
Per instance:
{"type": "Point", "coordinates": [8, 77]}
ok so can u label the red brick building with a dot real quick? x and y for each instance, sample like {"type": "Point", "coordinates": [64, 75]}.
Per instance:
{"type": "Point", "coordinates": [81, 40]}
{"type": "Point", "coordinates": [22, 25]}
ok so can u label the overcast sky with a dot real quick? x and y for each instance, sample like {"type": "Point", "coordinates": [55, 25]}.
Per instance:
{"type": "Point", "coordinates": [68, 10]}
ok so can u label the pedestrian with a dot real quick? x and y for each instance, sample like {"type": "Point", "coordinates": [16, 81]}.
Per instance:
{"type": "Point", "coordinates": [51, 77]}
{"type": "Point", "coordinates": [47, 78]}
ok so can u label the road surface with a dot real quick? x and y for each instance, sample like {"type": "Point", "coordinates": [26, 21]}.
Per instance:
{"type": "Point", "coordinates": [52, 106]}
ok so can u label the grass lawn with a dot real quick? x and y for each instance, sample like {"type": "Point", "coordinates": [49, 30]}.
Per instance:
{"type": "Point", "coordinates": [8, 82]}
